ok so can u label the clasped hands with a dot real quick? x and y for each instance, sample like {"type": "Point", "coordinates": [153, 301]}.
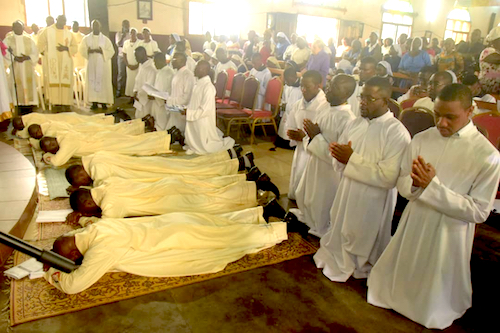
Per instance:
{"type": "Point", "coordinates": [422, 173]}
{"type": "Point", "coordinates": [340, 152]}
{"type": "Point", "coordinates": [22, 58]}
{"type": "Point", "coordinates": [310, 128]}
{"type": "Point", "coordinates": [98, 50]}
{"type": "Point", "coordinates": [62, 48]}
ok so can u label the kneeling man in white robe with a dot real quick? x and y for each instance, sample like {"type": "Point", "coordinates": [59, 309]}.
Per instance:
{"type": "Point", "coordinates": [202, 135]}
{"type": "Point", "coordinates": [450, 176]}
{"type": "Point", "coordinates": [163, 83]}
{"type": "Point", "coordinates": [175, 244]}
{"type": "Point", "coordinates": [368, 153]}
{"type": "Point", "coordinates": [146, 74]}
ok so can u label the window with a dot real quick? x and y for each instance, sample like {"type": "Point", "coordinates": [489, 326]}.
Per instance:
{"type": "Point", "coordinates": [205, 17]}
{"type": "Point", "coordinates": [458, 25]}
{"type": "Point", "coordinates": [314, 27]}
{"type": "Point", "coordinates": [75, 10]}
{"type": "Point", "coordinates": [397, 19]}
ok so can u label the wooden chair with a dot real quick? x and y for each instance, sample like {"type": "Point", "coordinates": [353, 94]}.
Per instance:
{"type": "Point", "coordinates": [492, 107]}
{"type": "Point", "coordinates": [490, 121]}
{"type": "Point", "coordinates": [394, 107]}
{"type": "Point", "coordinates": [417, 119]}
{"type": "Point", "coordinates": [241, 116]}
{"type": "Point", "coordinates": [267, 117]}
{"type": "Point", "coordinates": [234, 99]}
{"type": "Point", "coordinates": [220, 87]}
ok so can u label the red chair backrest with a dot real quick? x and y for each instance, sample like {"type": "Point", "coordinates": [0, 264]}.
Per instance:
{"type": "Point", "coordinates": [237, 88]}
{"type": "Point", "coordinates": [417, 119]}
{"type": "Point", "coordinates": [220, 85]}
{"type": "Point", "coordinates": [230, 75]}
{"type": "Point", "coordinates": [250, 92]}
{"type": "Point", "coordinates": [490, 121]}
{"type": "Point", "coordinates": [273, 92]}
{"type": "Point", "coordinates": [394, 107]}
{"type": "Point", "coordinates": [408, 103]}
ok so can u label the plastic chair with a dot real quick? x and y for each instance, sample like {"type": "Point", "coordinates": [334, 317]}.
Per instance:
{"type": "Point", "coordinates": [417, 119]}
{"type": "Point", "coordinates": [220, 87]}
{"type": "Point", "coordinates": [490, 121]}
{"type": "Point", "coordinates": [234, 99]}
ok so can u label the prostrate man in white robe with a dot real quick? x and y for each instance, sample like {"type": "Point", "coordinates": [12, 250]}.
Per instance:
{"type": "Point", "coordinates": [318, 186]}
{"type": "Point", "coordinates": [163, 83]}
{"type": "Point", "coordinates": [25, 56]}
{"type": "Point", "coordinates": [22, 123]}
{"type": "Point", "coordinates": [368, 153]}
{"type": "Point", "coordinates": [98, 50]}
{"type": "Point", "coordinates": [175, 244]}
{"type": "Point", "coordinates": [61, 148]}
{"type": "Point", "coordinates": [182, 88]}
{"type": "Point", "coordinates": [367, 70]}
{"type": "Point", "coordinates": [202, 135]}
{"type": "Point", "coordinates": [59, 47]}
{"type": "Point", "coordinates": [78, 59]}
{"type": "Point", "coordinates": [146, 74]}
{"type": "Point", "coordinates": [309, 106]}
{"type": "Point", "coordinates": [261, 73]}
{"type": "Point", "coordinates": [450, 174]}
{"type": "Point", "coordinates": [130, 61]}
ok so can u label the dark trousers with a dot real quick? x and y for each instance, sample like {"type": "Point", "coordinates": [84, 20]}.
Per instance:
{"type": "Point", "coordinates": [122, 76]}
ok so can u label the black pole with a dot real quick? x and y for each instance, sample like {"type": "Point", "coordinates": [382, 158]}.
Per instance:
{"type": "Point", "coordinates": [16, 107]}
{"type": "Point", "coordinates": [47, 257]}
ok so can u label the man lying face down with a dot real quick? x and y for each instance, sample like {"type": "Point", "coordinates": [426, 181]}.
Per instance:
{"type": "Point", "coordinates": [175, 244]}
{"type": "Point", "coordinates": [61, 148]}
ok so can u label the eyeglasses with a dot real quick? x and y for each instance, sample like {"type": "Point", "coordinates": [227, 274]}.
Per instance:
{"type": "Point", "coordinates": [368, 99]}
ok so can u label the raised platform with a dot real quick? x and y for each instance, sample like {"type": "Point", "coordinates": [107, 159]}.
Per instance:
{"type": "Point", "coordinates": [18, 194]}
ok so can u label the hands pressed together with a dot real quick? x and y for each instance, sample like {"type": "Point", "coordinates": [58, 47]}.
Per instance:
{"type": "Point", "coordinates": [98, 50]}
{"type": "Point", "coordinates": [311, 128]}
{"type": "Point", "coordinates": [340, 152]}
{"type": "Point", "coordinates": [422, 173]}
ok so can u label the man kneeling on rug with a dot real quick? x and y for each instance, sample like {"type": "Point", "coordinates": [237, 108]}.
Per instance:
{"type": "Point", "coordinates": [175, 244]}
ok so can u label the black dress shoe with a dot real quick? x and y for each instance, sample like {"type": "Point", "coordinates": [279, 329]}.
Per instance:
{"type": "Point", "coordinates": [238, 149]}
{"type": "Point", "coordinates": [170, 130]}
{"type": "Point", "coordinates": [94, 106]}
{"type": "Point", "coordinates": [273, 208]}
{"type": "Point", "coordinates": [104, 107]}
{"type": "Point", "coordinates": [294, 225]}
{"type": "Point", "coordinates": [176, 135]}
{"type": "Point", "coordinates": [250, 158]}
{"type": "Point", "coordinates": [253, 174]}
{"type": "Point", "coordinates": [264, 183]}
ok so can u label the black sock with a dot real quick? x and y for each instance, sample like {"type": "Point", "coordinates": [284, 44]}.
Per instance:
{"type": "Point", "coordinates": [241, 165]}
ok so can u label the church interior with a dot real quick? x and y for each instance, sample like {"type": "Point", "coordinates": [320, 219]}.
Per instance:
{"type": "Point", "coordinates": [253, 166]}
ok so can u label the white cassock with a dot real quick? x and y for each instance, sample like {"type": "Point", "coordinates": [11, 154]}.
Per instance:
{"type": "Point", "coordinates": [98, 74]}
{"type": "Point", "coordinates": [424, 273]}
{"type": "Point", "coordinates": [66, 117]}
{"type": "Point", "coordinates": [82, 144]}
{"type": "Point", "coordinates": [146, 74]}
{"type": "Point", "coordinates": [290, 96]}
{"type": "Point", "coordinates": [78, 59]}
{"type": "Point", "coordinates": [427, 102]}
{"type": "Point", "coordinates": [182, 88]}
{"type": "Point", "coordinates": [300, 111]}
{"type": "Point", "coordinates": [131, 127]}
{"type": "Point", "coordinates": [129, 51]}
{"type": "Point", "coordinates": [363, 208]}
{"type": "Point", "coordinates": [24, 71]}
{"type": "Point", "coordinates": [263, 76]}
{"type": "Point", "coordinates": [5, 98]}
{"type": "Point", "coordinates": [118, 197]}
{"type": "Point", "coordinates": [190, 63]}
{"type": "Point", "coordinates": [151, 47]}
{"type": "Point", "coordinates": [202, 135]}
{"type": "Point", "coordinates": [175, 244]}
{"type": "Point", "coordinates": [103, 165]}
{"type": "Point", "coordinates": [353, 101]}
{"type": "Point", "coordinates": [163, 83]}
{"type": "Point", "coordinates": [318, 186]}
{"type": "Point", "coordinates": [224, 67]}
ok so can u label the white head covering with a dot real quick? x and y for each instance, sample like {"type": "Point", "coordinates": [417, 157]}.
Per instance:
{"type": "Point", "coordinates": [176, 37]}
{"type": "Point", "coordinates": [209, 52]}
{"type": "Point", "coordinates": [453, 75]}
{"type": "Point", "coordinates": [494, 34]}
{"type": "Point", "coordinates": [388, 68]}
{"type": "Point", "coordinates": [274, 61]}
{"type": "Point", "coordinates": [134, 29]}
{"type": "Point", "coordinates": [421, 43]}
{"type": "Point", "coordinates": [282, 35]}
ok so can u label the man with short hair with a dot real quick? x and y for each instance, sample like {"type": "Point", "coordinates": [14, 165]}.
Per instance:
{"type": "Point", "coordinates": [367, 70]}
{"type": "Point", "coordinates": [163, 83]}
{"type": "Point", "coordinates": [437, 83]}
{"type": "Point", "coordinates": [181, 47]}
{"type": "Point", "coordinates": [209, 43]}
{"type": "Point", "coordinates": [261, 73]}
{"type": "Point", "coordinates": [145, 75]}
{"type": "Point", "coordinates": [120, 38]}
{"type": "Point", "coordinates": [78, 59]}
{"type": "Point", "coordinates": [131, 63]}
{"type": "Point", "coordinates": [478, 94]}
{"type": "Point", "coordinates": [202, 135]}
{"type": "Point", "coordinates": [59, 47]}
{"type": "Point", "coordinates": [318, 186]}
{"type": "Point", "coordinates": [368, 154]}
{"type": "Point", "coordinates": [421, 89]}
{"type": "Point", "coordinates": [34, 35]}
{"type": "Point", "coordinates": [312, 103]}
{"type": "Point", "coordinates": [450, 174]}
{"type": "Point", "coordinates": [98, 51]}
{"type": "Point", "coordinates": [224, 62]}
{"type": "Point", "coordinates": [25, 56]}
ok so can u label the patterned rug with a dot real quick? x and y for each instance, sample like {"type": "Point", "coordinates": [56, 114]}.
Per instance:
{"type": "Point", "coordinates": [36, 299]}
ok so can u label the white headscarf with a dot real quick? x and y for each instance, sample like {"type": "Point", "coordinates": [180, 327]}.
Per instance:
{"type": "Point", "coordinates": [282, 35]}
{"type": "Point", "coordinates": [453, 76]}
{"type": "Point", "coordinates": [494, 34]}
{"type": "Point", "coordinates": [209, 52]}
{"type": "Point", "coordinates": [387, 66]}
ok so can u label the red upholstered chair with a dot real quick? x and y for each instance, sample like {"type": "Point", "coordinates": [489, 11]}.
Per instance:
{"type": "Point", "coordinates": [220, 87]}
{"type": "Point", "coordinates": [490, 121]}
{"type": "Point", "coordinates": [230, 75]}
{"type": "Point", "coordinates": [406, 104]}
{"type": "Point", "coordinates": [234, 99]}
{"type": "Point", "coordinates": [267, 117]}
{"type": "Point", "coordinates": [417, 119]}
{"type": "Point", "coordinates": [394, 107]}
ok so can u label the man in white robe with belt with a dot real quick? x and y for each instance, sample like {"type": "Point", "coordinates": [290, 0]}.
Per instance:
{"type": "Point", "coordinates": [202, 135]}
{"type": "Point", "coordinates": [450, 176]}
{"type": "Point", "coordinates": [146, 74]}
{"type": "Point", "coordinates": [368, 154]}
{"type": "Point", "coordinates": [175, 244]}
{"type": "Point", "coordinates": [163, 83]}
{"type": "Point", "coordinates": [318, 186]}
{"type": "Point", "coordinates": [182, 88]}
{"type": "Point", "coordinates": [309, 106]}
{"type": "Point", "coordinates": [98, 50]}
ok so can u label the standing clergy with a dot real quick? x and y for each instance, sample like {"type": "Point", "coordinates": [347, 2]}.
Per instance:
{"type": "Point", "coordinates": [146, 74]}
{"type": "Point", "coordinates": [182, 88]}
{"type": "Point", "coordinates": [450, 174]}
{"type": "Point", "coordinates": [163, 83]}
{"type": "Point", "coordinates": [59, 47]}
{"type": "Point", "coordinates": [130, 61]}
{"type": "Point", "coordinates": [309, 106]}
{"type": "Point", "coordinates": [5, 98]}
{"type": "Point", "coordinates": [78, 59]}
{"type": "Point", "coordinates": [318, 186]}
{"type": "Point", "coordinates": [202, 135]}
{"type": "Point", "coordinates": [98, 50]}
{"type": "Point", "coordinates": [25, 56]}
{"type": "Point", "coordinates": [368, 153]}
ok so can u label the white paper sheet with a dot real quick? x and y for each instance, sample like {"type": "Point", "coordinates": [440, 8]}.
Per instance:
{"type": "Point", "coordinates": [45, 216]}
{"type": "Point", "coordinates": [152, 91]}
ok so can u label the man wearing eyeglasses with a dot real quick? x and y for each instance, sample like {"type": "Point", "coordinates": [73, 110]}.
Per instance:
{"type": "Point", "coordinates": [437, 83]}
{"type": "Point", "coordinates": [368, 153]}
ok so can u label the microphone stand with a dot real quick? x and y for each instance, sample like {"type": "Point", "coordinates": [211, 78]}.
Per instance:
{"type": "Point", "coordinates": [50, 258]}
{"type": "Point", "coordinates": [14, 79]}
